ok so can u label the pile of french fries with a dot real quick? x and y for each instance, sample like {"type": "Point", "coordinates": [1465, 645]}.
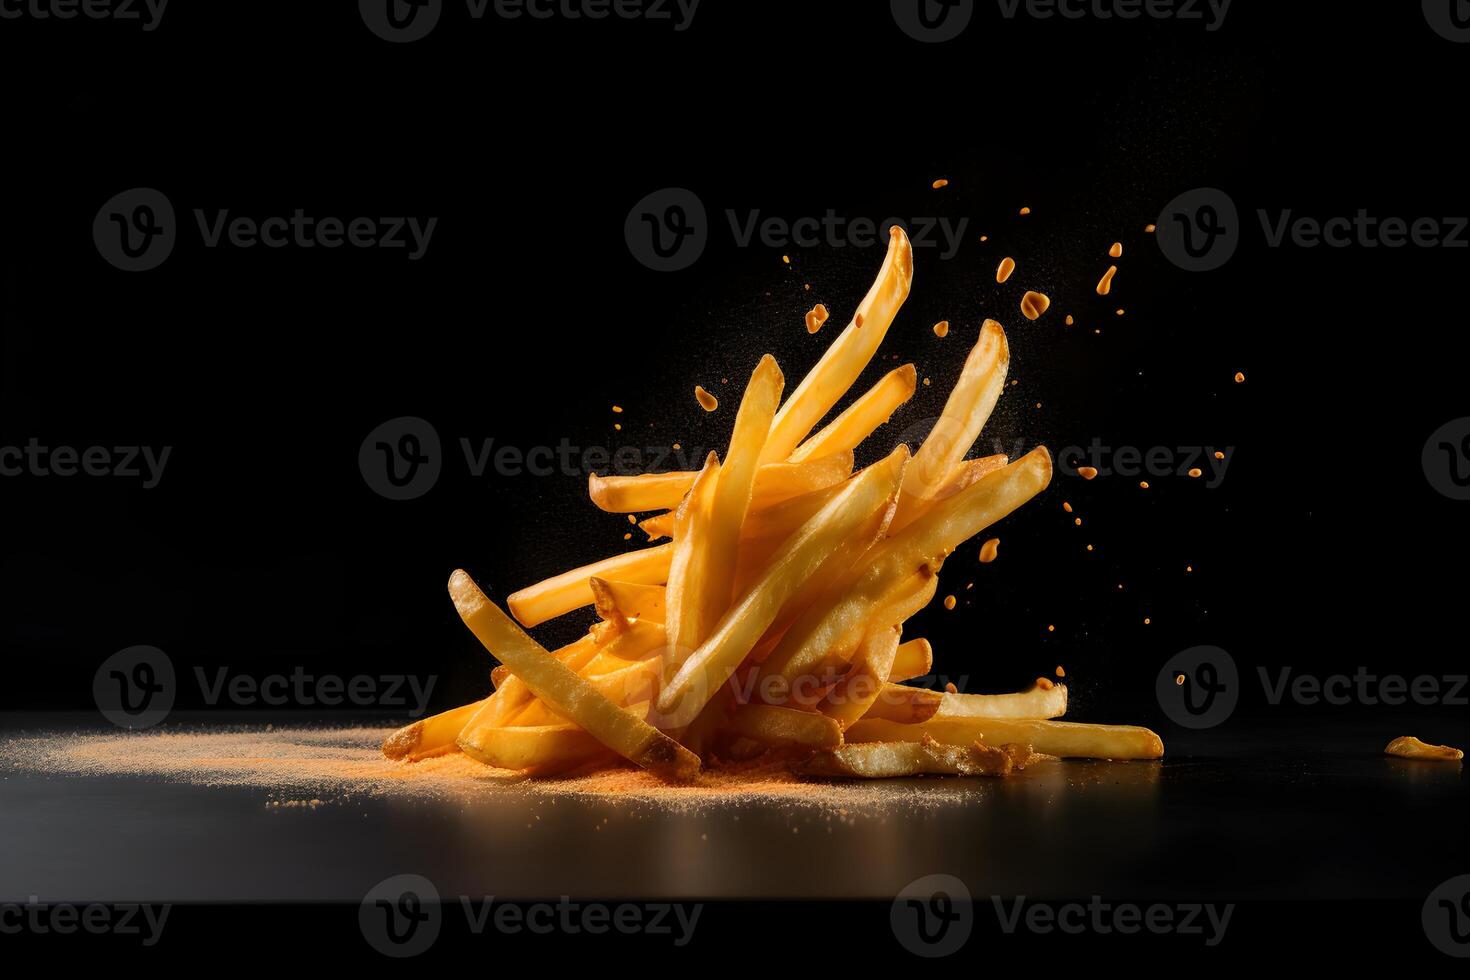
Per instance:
{"type": "Point", "coordinates": [771, 619]}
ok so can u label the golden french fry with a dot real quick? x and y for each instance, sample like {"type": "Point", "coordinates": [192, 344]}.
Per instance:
{"type": "Point", "coordinates": [844, 361]}
{"type": "Point", "coordinates": [1034, 702]}
{"type": "Point", "coordinates": [863, 417]}
{"type": "Point", "coordinates": [849, 699]}
{"type": "Point", "coordinates": [562, 593]}
{"type": "Point", "coordinates": [785, 726]}
{"type": "Point", "coordinates": [965, 474]}
{"type": "Point", "coordinates": [1409, 747]}
{"type": "Point", "coordinates": [774, 482]}
{"type": "Point", "coordinates": [431, 736]}
{"type": "Point", "coordinates": [658, 526]}
{"type": "Point", "coordinates": [567, 693]}
{"type": "Point", "coordinates": [905, 705]}
{"type": "Point", "coordinates": [834, 626]}
{"type": "Point", "coordinates": [915, 658]}
{"type": "Point", "coordinates": [686, 572]}
{"type": "Point", "coordinates": [530, 747]}
{"type": "Point", "coordinates": [1060, 738]}
{"type": "Point", "coordinates": [887, 760]}
{"type": "Point", "coordinates": [629, 600]}
{"type": "Point", "coordinates": [511, 695]}
{"type": "Point", "coordinates": [699, 608]}
{"type": "Point", "coordinates": [796, 562]}
{"type": "Point", "coordinates": [965, 413]}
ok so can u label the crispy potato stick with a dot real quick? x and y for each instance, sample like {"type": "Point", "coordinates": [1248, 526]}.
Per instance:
{"type": "Point", "coordinates": [1060, 738]}
{"type": "Point", "coordinates": [834, 626]}
{"type": "Point", "coordinates": [844, 361]}
{"type": "Point", "coordinates": [965, 475]}
{"type": "Point", "coordinates": [965, 413]}
{"type": "Point", "coordinates": [786, 505]}
{"type": "Point", "coordinates": [530, 747]}
{"type": "Point", "coordinates": [431, 736]}
{"type": "Point", "coordinates": [511, 695]}
{"type": "Point", "coordinates": [632, 645]}
{"type": "Point", "coordinates": [729, 504]}
{"type": "Point", "coordinates": [1034, 702]}
{"type": "Point", "coordinates": [913, 659]}
{"type": "Point", "coordinates": [681, 597]}
{"type": "Point", "coordinates": [1409, 747]}
{"type": "Point", "coordinates": [630, 600]}
{"type": "Point", "coordinates": [568, 694]}
{"type": "Point", "coordinates": [562, 593]}
{"type": "Point", "coordinates": [798, 560]}
{"type": "Point", "coordinates": [850, 698]}
{"type": "Point", "coordinates": [863, 417]}
{"type": "Point", "coordinates": [774, 482]}
{"type": "Point", "coordinates": [786, 726]}
{"type": "Point", "coordinates": [886, 760]}
{"type": "Point", "coordinates": [905, 705]}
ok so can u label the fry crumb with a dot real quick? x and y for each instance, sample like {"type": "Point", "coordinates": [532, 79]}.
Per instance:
{"type": "Point", "coordinates": [1239, 378]}
{"type": "Point", "coordinates": [949, 688]}
{"type": "Point", "coordinates": [1147, 621]}
{"type": "Point", "coordinates": [1195, 473]}
{"type": "Point", "coordinates": [1025, 211]}
{"type": "Point", "coordinates": [632, 519]}
{"type": "Point", "coordinates": [1004, 270]}
{"type": "Point", "coordinates": [1120, 311]}
{"type": "Point", "coordinates": [617, 427]}
{"type": "Point", "coordinates": [989, 550]}
{"type": "Point", "coordinates": [618, 409]}
{"type": "Point", "coordinates": [1105, 284]}
{"type": "Point", "coordinates": [1087, 472]}
{"type": "Point", "coordinates": [1189, 568]}
{"type": "Point", "coordinates": [1051, 628]}
{"type": "Point", "coordinates": [1148, 229]}
{"type": "Point", "coordinates": [1143, 484]}
{"type": "Point", "coordinates": [927, 382]}
{"type": "Point", "coordinates": [1089, 547]}
{"type": "Point", "coordinates": [677, 447]}
{"type": "Point", "coordinates": [1066, 506]}
{"type": "Point", "coordinates": [1061, 672]}
{"type": "Point", "coordinates": [815, 317]}
{"type": "Point", "coordinates": [628, 536]}
{"type": "Point", "coordinates": [1179, 680]}
{"type": "Point", "coordinates": [707, 401]}
{"type": "Point", "coordinates": [949, 602]}
{"type": "Point", "coordinates": [1116, 251]}
{"type": "Point", "coordinates": [1219, 455]}
{"type": "Point", "coordinates": [1044, 683]}
{"type": "Point", "coordinates": [941, 329]}
{"type": "Point", "coordinates": [1033, 304]}
{"type": "Point", "coordinates": [786, 259]}
{"type": "Point", "coordinates": [985, 238]}
{"type": "Point", "coordinates": [941, 182]}
{"type": "Point", "coordinates": [1070, 321]}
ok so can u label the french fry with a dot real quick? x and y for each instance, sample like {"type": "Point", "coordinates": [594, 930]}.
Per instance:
{"type": "Point", "coordinates": [629, 600]}
{"type": "Point", "coordinates": [530, 746]}
{"type": "Point", "coordinates": [730, 501]}
{"type": "Point", "coordinates": [914, 658]}
{"type": "Point", "coordinates": [845, 359]}
{"type": "Point", "coordinates": [775, 725]}
{"type": "Point", "coordinates": [562, 593]}
{"type": "Point", "coordinates": [775, 481]}
{"type": "Point", "coordinates": [1064, 739]}
{"type": "Point", "coordinates": [1034, 702]}
{"type": "Point", "coordinates": [834, 627]}
{"type": "Point", "coordinates": [797, 561]}
{"type": "Point", "coordinates": [964, 475]}
{"type": "Point", "coordinates": [1409, 747]}
{"type": "Point", "coordinates": [659, 526]}
{"type": "Point", "coordinates": [431, 736]}
{"type": "Point", "coordinates": [965, 413]}
{"type": "Point", "coordinates": [567, 693]}
{"type": "Point", "coordinates": [512, 695]}
{"type": "Point", "coordinates": [863, 417]}
{"type": "Point", "coordinates": [681, 596]}
{"type": "Point", "coordinates": [632, 644]}
{"type": "Point", "coordinates": [849, 699]}
{"type": "Point", "coordinates": [905, 705]}
{"type": "Point", "coordinates": [888, 760]}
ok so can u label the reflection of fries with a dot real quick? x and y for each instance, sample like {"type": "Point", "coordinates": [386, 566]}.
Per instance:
{"type": "Point", "coordinates": [771, 618]}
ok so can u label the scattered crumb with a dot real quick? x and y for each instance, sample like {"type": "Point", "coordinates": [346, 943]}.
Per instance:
{"type": "Point", "coordinates": [949, 602]}
{"type": "Point", "coordinates": [1004, 270]}
{"type": "Point", "coordinates": [988, 551]}
{"type": "Point", "coordinates": [941, 329]}
{"type": "Point", "coordinates": [706, 401]}
{"type": "Point", "coordinates": [941, 182]}
{"type": "Point", "coordinates": [1116, 251]}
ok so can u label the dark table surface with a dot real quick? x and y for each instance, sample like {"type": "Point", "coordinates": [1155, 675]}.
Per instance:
{"type": "Point", "coordinates": [1296, 811]}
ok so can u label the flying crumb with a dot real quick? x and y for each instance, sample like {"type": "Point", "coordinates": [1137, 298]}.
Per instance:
{"type": "Point", "coordinates": [1148, 229]}
{"type": "Point", "coordinates": [1179, 680]}
{"type": "Point", "coordinates": [1087, 472]}
{"type": "Point", "coordinates": [1219, 455]}
{"type": "Point", "coordinates": [1105, 284]}
{"type": "Point", "coordinates": [1025, 211]}
{"type": "Point", "coordinates": [1195, 473]}
{"type": "Point", "coordinates": [927, 382]}
{"type": "Point", "coordinates": [1033, 304]}
{"type": "Point", "coordinates": [1239, 378]}
{"type": "Point", "coordinates": [1120, 311]}
{"type": "Point", "coordinates": [618, 409]}
{"type": "Point", "coordinates": [1066, 506]}
{"type": "Point", "coordinates": [1004, 270]}
{"type": "Point", "coordinates": [941, 182]}
{"type": "Point", "coordinates": [1061, 672]}
{"type": "Point", "coordinates": [988, 551]}
{"type": "Point", "coordinates": [632, 519]}
{"type": "Point", "coordinates": [786, 259]}
{"type": "Point", "coordinates": [941, 329]}
{"type": "Point", "coordinates": [1143, 484]}
{"type": "Point", "coordinates": [707, 401]}
{"type": "Point", "coordinates": [949, 602]}
{"type": "Point", "coordinates": [815, 317]}
{"type": "Point", "coordinates": [1116, 251]}
{"type": "Point", "coordinates": [1051, 629]}
{"type": "Point", "coordinates": [1070, 321]}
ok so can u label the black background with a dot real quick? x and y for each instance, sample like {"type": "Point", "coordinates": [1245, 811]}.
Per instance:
{"type": "Point", "coordinates": [263, 549]}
